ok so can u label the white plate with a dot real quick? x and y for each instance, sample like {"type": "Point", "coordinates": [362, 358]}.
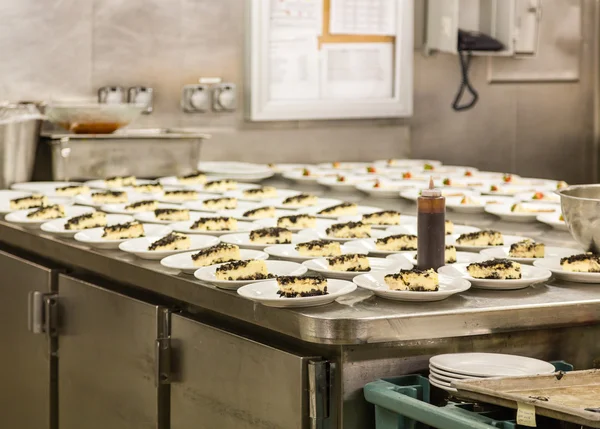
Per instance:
{"type": "Point", "coordinates": [503, 211]}
{"type": "Point", "coordinates": [387, 188]}
{"type": "Point", "coordinates": [277, 268]}
{"type": "Point", "coordinates": [553, 219]}
{"type": "Point", "coordinates": [404, 220]}
{"type": "Point", "coordinates": [184, 262]}
{"type": "Point", "coordinates": [86, 200]}
{"type": "Point", "coordinates": [550, 252]}
{"type": "Point", "coordinates": [57, 226]}
{"type": "Point", "coordinates": [367, 245]}
{"type": "Point", "coordinates": [435, 382]}
{"type": "Point", "coordinates": [450, 376]}
{"type": "Point", "coordinates": [342, 165]}
{"type": "Point", "coordinates": [506, 190]}
{"type": "Point", "coordinates": [321, 234]}
{"type": "Point", "coordinates": [243, 240]}
{"type": "Point", "coordinates": [240, 187]}
{"type": "Point", "coordinates": [239, 194]}
{"type": "Point", "coordinates": [281, 168]}
{"type": "Point", "coordinates": [289, 252]}
{"type": "Point", "coordinates": [490, 364]}
{"type": "Point", "coordinates": [547, 197]}
{"type": "Point", "coordinates": [553, 264]}
{"type": "Point", "coordinates": [120, 208]}
{"type": "Point", "coordinates": [232, 167]}
{"type": "Point", "coordinates": [529, 275]}
{"type": "Point", "coordinates": [413, 194]}
{"type": "Point", "coordinates": [461, 257]}
{"type": "Point", "coordinates": [508, 241]}
{"type": "Point", "coordinates": [150, 217]}
{"type": "Point", "coordinates": [241, 205]}
{"type": "Point", "coordinates": [101, 184]}
{"type": "Point", "coordinates": [20, 217]}
{"type": "Point", "coordinates": [266, 294]}
{"type": "Point", "coordinates": [454, 203]}
{"type": "Point", "coordinates": [93, 237]}
{"type": "Point", "coordinates": [315, 174]}
{"type": "Point", "coordinates": [321, 266]}
{"type": "Point", "coordinates": [348, 185]}
{"type": "Point", "coordinates": [243, 178]}
{"type": "Point", "coordinates": [139, 246]}
{"type": "Point", "coordinates": [375, 282]}
{"type": "Point", "coordinates": [360, 210]}
{"type": "Point", "coordinates": [6, 196]}
{"type": "Point", "coordinates": [272, 222]}
{"type": "Point", "coordinates": [46, 188]}
{"type": "Point", "coordinates": [405, 162]}
{"type": "Point", "coordinates": [321, 202]}
{"type": "Point", "coordinates": [200, 197]}
{"type": "Point", "coordinates": [239, 213]}
{"type": "Point", "coordinates": [185, 228]}
{"type": "Point", "coordinates": [412, 229]}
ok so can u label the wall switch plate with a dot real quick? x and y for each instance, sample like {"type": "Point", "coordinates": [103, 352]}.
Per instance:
{"type": "Point", "coordinates": [196, 98]}
{"type": "Point", "coordinates": [224, 97]}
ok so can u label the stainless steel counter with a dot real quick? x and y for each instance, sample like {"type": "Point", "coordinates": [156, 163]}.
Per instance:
{"type": "Point", "coordinates": [357, 318]}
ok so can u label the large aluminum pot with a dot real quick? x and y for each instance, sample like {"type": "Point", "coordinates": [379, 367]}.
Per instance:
{"type": "Point", "coordinates": [19, 133]}
{"type": "Point", "coordinates": [581, 209]}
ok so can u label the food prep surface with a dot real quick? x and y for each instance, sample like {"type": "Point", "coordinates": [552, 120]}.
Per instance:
{"type": "Point", "coordinates": [358, 317]}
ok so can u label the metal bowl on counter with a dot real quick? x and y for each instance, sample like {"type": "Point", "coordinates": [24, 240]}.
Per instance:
{"type": "Point", "coordinates": [92, 118]}
{"type": "Point", "coordinates": [581, 210]}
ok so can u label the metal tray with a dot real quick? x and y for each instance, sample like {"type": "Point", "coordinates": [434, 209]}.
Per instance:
{"type": "Point", "coordinates": [562, 396]}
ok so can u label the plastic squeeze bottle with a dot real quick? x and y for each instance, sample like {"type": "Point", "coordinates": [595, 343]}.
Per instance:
{"type": "Point", "coordinates": [431, 226]}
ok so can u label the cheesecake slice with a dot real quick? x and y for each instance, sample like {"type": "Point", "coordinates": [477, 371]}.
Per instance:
{"type": "Point", "coordinates": [526, 249]}
{"type": "Point", "coordinates": [142, 206]}
{"type": "Point", "coordinates": [450, 254]}
{"type": "Point", "coordinates": [386, 217]}
{"type": "Point", "coordinates": [148, 188]}
{"type": "Point", "coordinates": [215, 224]}
{"type": "Point", "coordinates": [397, 243]}
{"type": "Point", "coordinates": [173, 241]}
{"type": "Point", "coordinates": [300, 200]}
{"type": "Point", "coordinates": [175, 215]}
{"type": "Point", "coordinates": [521, 208]}
{"type": "Point", "coordinates": [582, 263]}
{"type": "Point", "coordinates": [319, 248]}
{"type": "Point", "coordinates": [71, 191]}
{"type": "Point", "coordinates": [29, 202]}
{"type": "Point", "coordinates": [261, 193]}
{"type": "Point", "coordinates": [293, 287]}
{"type": "Point", "coordinates": [301, 221]}
{"type": "Point", "coordinates": [243, 270]}
{"type": "Point", "coordinates": [221, 185]}
{"type": "Point", "coordinates": [271, 236]}
{"type": "Point", "coordinates": [181, 195]}
{"type": "Point", "coordinates": [260, 213]}
{"type": "Point", "coordinates": [86, 221]}
{"type": "Point", "coordinates": [349, 262]}
{"type": "Point", "coordinates": [224, 203]}
{"type": "Point", "coordinates": [349, 230]}
{"type": "Point", "coordinates": [47, 212]}
{"type": "Point", "coordinates": [192, 179]}
{"type": "Point", "coordinates": [118, 181]}
{"type": "Point", "coordinates": [495, 269]}
{"type": "Point", "coordinates": [219, 254]}
{"type": "Point", "coordinates": [109, 197]}
{"type": "Point", "coordinates": [343, 209]}
{"type": "Point", "coordinates": [449, 227]}
{"type": "Point", "coordinates": [413, 280]}
{"type": "Point", "coordinates": [481, 239]}
{"type": "Point", "coordinates": [123, 231]}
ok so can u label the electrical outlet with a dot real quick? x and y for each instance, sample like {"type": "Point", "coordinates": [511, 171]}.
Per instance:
{"type": "Point", "coordinates": [196, 98]}
{"type": "Point", "coordinates": [224, 97]}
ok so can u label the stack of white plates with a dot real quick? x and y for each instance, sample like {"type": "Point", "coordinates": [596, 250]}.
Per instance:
{"type": "Point", "coordinates": [444, 369]}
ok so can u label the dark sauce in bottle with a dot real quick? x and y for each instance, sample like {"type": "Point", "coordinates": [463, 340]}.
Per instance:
{"type": "Point", "coordinates": [431, 225]}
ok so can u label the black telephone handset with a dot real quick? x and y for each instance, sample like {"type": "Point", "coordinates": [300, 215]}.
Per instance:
{"type": "Point", "coordinates": [469, 41]}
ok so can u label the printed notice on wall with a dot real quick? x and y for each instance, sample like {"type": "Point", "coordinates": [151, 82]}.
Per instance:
{"type": "Point", "coordinates": [295, 18]}
{"type": "Point", "coordinates": [357, 71]}
{"type": "Point", "coordinates": [365, 17]}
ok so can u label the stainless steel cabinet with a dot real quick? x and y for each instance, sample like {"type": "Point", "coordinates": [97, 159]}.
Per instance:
{"type": "Point", "coordinates": [27, 368]}
{"type": "Point", "coordinates": [229, 382]}
{"type": "Point", "coordinates": [107, 359]}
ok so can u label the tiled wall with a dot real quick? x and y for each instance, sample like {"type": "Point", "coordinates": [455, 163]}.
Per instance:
{"type": "Point", "coordinates": [61, 49]}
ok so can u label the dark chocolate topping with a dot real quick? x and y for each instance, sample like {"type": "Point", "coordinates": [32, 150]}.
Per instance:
{"type": "Point", "coordinates": [168, 239]}
{"type": "Point", "coordinates": [580, 257]}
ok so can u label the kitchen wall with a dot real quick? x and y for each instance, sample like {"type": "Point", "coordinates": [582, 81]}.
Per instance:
{"type": "Point", "coordinates": [66, 49]}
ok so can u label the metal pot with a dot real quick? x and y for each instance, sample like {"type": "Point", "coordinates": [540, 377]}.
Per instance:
{"type": "Point", "coordinates": [19, 132]}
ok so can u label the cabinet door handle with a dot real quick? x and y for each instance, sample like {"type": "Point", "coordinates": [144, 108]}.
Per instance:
{"type": "Point", "coordinates": [35, 312]}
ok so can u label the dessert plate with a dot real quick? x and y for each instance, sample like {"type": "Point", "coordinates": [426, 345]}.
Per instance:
{"type": "Point", "coordinates": [87, 200]}
{"type": "Point", "coordinates": [57, 226]}
{"type": "Point", "coordinates": [347, 185]}
{"type": "Point", "coordinates": [239, 213]}
{"type": "Point", "coordinates": [45, 188]}
{"type": "Point", "coordinates": [224, 168]}
{"type": "Point", "coordinates": [315, 174]}
{"type": "Point", "coordinates": [199, 206]}
{"type": "Point", "coordinates": [150, 217]}
{"type": "Point", "coordinates": [550, 252]}
{"type": "Point", "coordinates": [272, 222]}
{"type": "Point", "coordinates": [412, 229]}
{"type": "Point", "coordinates": [368, 246]}
{"type": "Point", "coordinates": [504, 212]}
{"type": "Point", "coordinates": [266, 294]}
{"type": "Point", "coordinates": [120, 208]}
{"type": "Point", "coordinates": [139, 246]}
{"type": "Point", "coordinates": [185, 228]}
{"type": "Point", "coordinates": [275, 268]}
{"type": "Point", "coordinates": [93, 237]}
{"type": "Point", "coordinates": [404, 220]}
{"type": "Point", "coordinates": [478, 203]}
{"type": "Point", "coordinates": [529, 275]}
{"type": "Point", "coordinates": [184, 262]}
{"type": "Point", "coordinates": [20, 217]}
{"type": "Point", "coordinates": [375, 282]}
{"type": "Point", "coordinates": [539, 197]}
{"type": "Point", "coordinates": [310, 234]}
{"type": "Point", "coordinates": [239, 194]}
{"type": "Point", "coordinates": [6, 196]}
{"type": "Point", "coordinates": [554, 220]}
{"type": "Point", "coordinates": [321, 266]}
{"type": "Point", "coordinates": [388, 188]}
{"type": "Point", "coordinates": [360, 210]}
{"type": "Point", "coordinates": [289, 252]}
{"type": "Point", "coordinates": [553, 264]}
{"type": "Point", "coordinates": [413, 194]}
{"type": "Point", "coordinates": [342, 165]}
{"type": "Point", "coordinates": [282, 168]}
{"type": "Point", "coordinates": [508, 240]}
{"type": "Point", "coordinates": [201, 196]}
{"type": "Point", "coordinates": [243, 240]}
{"type": "Point", "coordinates": [461, 257]}
{"type": "Point", "coordinates": [321, 202]}
{"type": "Point", "coordinates": [505, 190]}
{"type": "Point", "coordinates": [101, 184]}
{"type": "Point", "coordinates": [406, 163]}
{"type": "Point", "coordinates": [490, 365]}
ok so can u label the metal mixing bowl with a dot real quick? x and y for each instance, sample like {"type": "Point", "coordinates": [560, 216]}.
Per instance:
{"type": "Point", "coordinates": [581, 209]}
